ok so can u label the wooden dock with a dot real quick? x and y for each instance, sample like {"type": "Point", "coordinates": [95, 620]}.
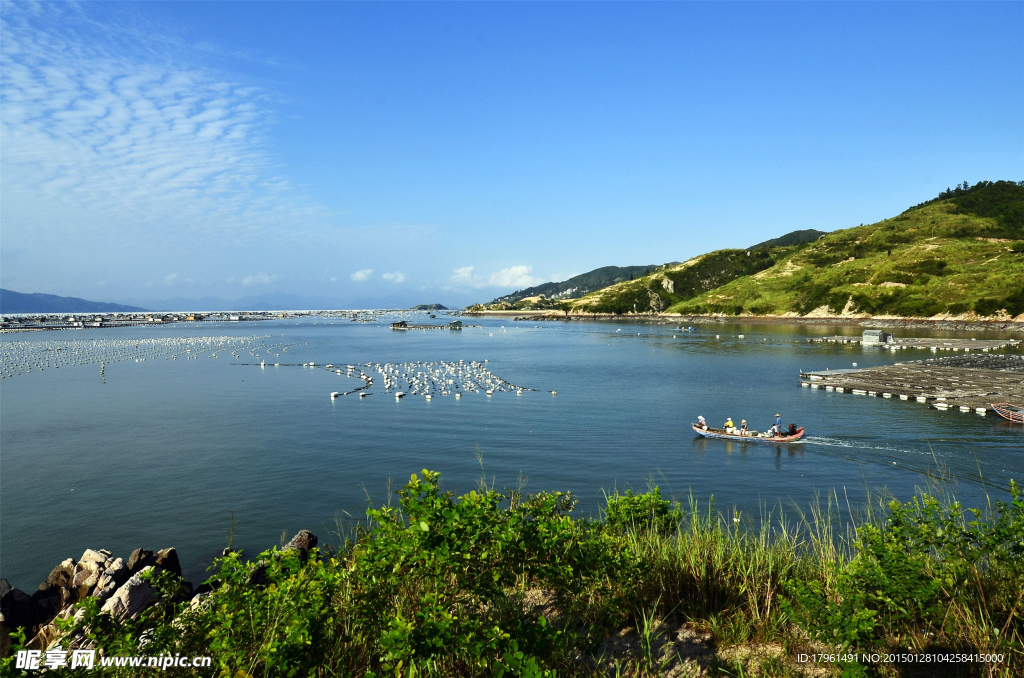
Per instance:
{"type": "Point", "coordinates": [959, 383]}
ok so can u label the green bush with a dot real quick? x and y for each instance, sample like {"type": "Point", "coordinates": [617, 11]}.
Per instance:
{"type": "Point", "coordinates": [932, 570]}
{"type": "Point", "coordinates": [648, 511]}
{"type": "Point", "coordinates": [987, 306]}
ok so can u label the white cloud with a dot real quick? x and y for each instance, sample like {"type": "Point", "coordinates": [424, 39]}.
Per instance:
{"type": "Point", "coordinates": [334, 279]}
{"type": "Point", "coordinates": [258, 279]}
{"type": "Point", "coordinates": [364, 274]}
{"type": "Point", "coordinates": [134, 140]}
{"type": "Point", "coordinates": [169, 279]}
{"type": "Point", "coordinates": [514, 276]}
{"type": "Point", "coordinates": [395, 277]}
{"type": "Point", "coordinates": [463, 275]}
{"type": "Point", "coordinates": [101, 283]}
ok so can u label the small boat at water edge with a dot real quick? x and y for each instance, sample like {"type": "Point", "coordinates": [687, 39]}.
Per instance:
{"type": "Point", "coordinates": [1014, 413]}
{"type": "Point", "coordinates": [721, 434]}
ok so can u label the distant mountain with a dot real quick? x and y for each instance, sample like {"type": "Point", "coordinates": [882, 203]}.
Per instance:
{"type": "Point", "coordinates": [579, 285]}
{"type": "Point", "coordinates": [791, 238]}
{"type": "Point", "coordinates": [19, 302]}
{"type": "Point", "coordinates": [429, 307]}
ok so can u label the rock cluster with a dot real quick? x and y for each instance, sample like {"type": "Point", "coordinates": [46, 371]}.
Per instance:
{"type": "Point", "coordinates": [118, 585]}
{"type": "Point", "coordinates": [96, 574]}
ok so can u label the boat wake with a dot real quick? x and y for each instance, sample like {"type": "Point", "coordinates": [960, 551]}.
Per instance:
{"type": "Point", "coordinates": [923, 461]}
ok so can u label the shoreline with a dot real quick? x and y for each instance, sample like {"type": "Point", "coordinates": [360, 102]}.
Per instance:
{"type": "Point", "coordinates": [1008, 324]}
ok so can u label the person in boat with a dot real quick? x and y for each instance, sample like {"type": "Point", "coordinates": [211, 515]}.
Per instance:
{"type": "Point", "coordinates": [792, 430]}
{"type": "Point", "coordinates": [778, 422]}
{"type": "Point", "coordinates": [729, 426]}
{"type": "Point", "coordinates": [743, 428]}
{"type": "Point", "coordinates": [701, 422]}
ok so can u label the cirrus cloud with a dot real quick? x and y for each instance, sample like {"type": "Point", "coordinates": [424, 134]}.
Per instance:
{"type": "Point", "coordinates": [131, 145]}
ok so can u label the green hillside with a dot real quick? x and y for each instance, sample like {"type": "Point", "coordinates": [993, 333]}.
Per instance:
{"type": "Point", "coordinates": [674, 283]}
{"type": "Point", "coordinates": [960, 253]}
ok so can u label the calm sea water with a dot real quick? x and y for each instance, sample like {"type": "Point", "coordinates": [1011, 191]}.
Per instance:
{"type": "Point", "coordinates": [164, 451]}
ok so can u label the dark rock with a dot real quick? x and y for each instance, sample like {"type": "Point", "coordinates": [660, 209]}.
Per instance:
{"type": "Point", "coordinates": [167, 559]}
{"type": "Point", "coordinates": [16, 607]}
{"type": "Point", "coordinates": [5, 588]}
{"type": "Point", "coordinates": [139, 559]}
{"type": "Point", "coordinates": [45, 605]}
{"type": "Point", "coordinates": [302, 542]}
{"type": "Point", "coordinates": [259, 577]}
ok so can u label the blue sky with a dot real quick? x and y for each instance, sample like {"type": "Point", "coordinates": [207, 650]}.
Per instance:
{"type": "Point", "coordinates": [454, 152]}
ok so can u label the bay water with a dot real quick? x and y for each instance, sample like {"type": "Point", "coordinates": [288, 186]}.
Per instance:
{"type": "Point", "coordinates": [164, 452]}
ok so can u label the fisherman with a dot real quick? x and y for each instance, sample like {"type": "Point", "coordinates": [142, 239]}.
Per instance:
{"type": "Point", "coordinates": [778, 422]}
{"type": "Point", "coordinates": [729, 426]}
{"type": "Point", "coordinates": [701, 422]}
{"type": "Point", "coordinates": [743, 427]}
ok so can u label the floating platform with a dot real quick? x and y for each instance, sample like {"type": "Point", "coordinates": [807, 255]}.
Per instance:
{"type": "Point", "coordinates": [958, 383]}
{"type": "Point", "coordinates": [454, 325]}
{"type": "Point", "coordinates": [925, 343]}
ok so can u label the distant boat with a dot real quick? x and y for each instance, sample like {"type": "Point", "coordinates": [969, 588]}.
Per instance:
{"type": "Point", "coordinates": [1014, 413]}
{"type": "Point", "coordinates": [721, 434]}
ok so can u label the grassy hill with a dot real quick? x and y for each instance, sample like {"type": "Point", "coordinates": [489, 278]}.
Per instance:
{"type": "Point", "coordinates": [961, 253]}
{"type": "Point", "coordinates": [673, 283]}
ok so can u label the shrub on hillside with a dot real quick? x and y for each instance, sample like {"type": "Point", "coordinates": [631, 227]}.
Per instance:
{"type": "Point", "coordinates": [648, 511]}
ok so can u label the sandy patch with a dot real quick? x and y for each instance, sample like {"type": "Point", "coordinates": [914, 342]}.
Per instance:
{"type": "Point", "coordinates": [775, 272]}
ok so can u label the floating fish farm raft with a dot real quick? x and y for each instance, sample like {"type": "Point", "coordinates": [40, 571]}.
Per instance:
{"type": "Point", "coordinates": [966, 383]}
{"type": "Point", "coordinates": [927, 343]}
